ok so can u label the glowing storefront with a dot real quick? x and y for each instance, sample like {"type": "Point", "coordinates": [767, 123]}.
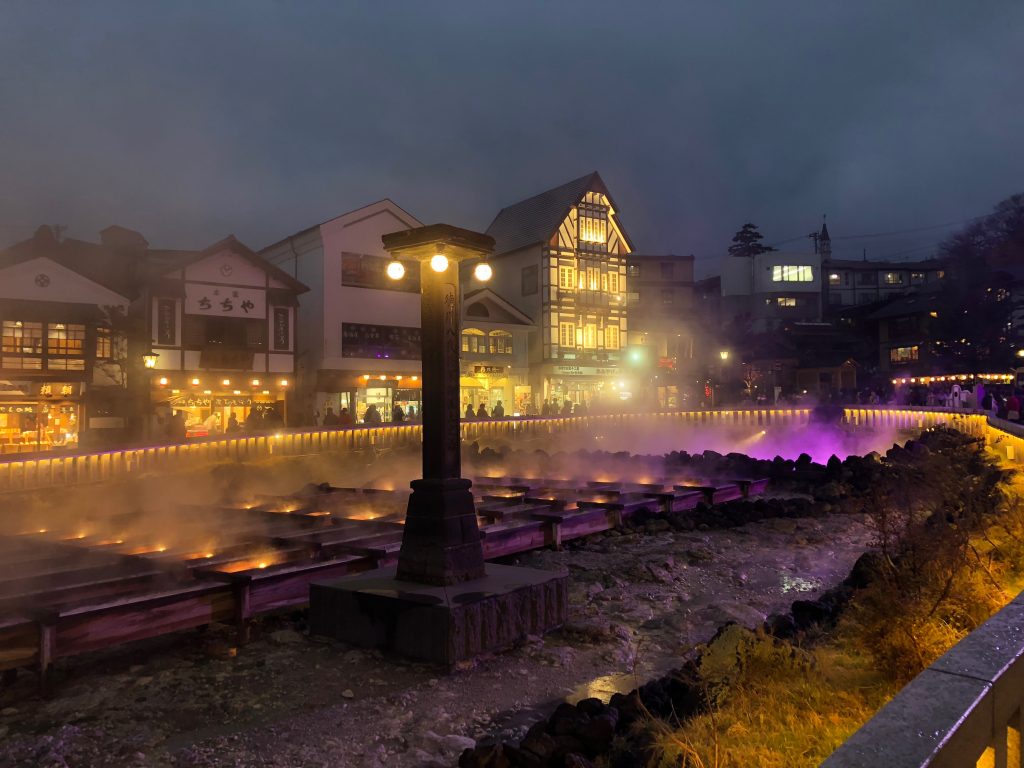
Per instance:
{"type": "Point", "coordinates": [222, 329]}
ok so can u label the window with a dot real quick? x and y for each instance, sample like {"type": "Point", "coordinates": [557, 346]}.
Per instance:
{"type": "Point", "coordinates": [593, 278]}
{"type": "Point", "coordinates": [894, 278]}
{"type": "Point", "coordinates": [611, 337]}
{"type": "Point", "coordinates": [593, 225]}
{"type": "Point", "coordinates": [567, 335]}
{"type": "Point", "coordinates": [633, 270]}
{"type": "Point", "coordinates": [501, 343]}
{"type": "Point", "coordinates": [834, 278]}
{"type": "Point", "coordinates": [917, 277]}
{"type": "Point", "coordinates": [567, 278]}
{"type": "Point", "coordinates": [22, 345]}
{"type": "Point", "coordinates": [529, 278]}
{"type": "Point", "coordinates": [473, 341]}
{"type": "Point", "coordinates": [785, 273]}
{"type": "Point", "coordinates": [590, 336]}
{"type": "Point", "coordinates": [786, 301]}
{"type": "Point", "coordinates": [869, 278]}
{"type": "Point", "coordinates": [65, 339]}
{"type": "Point", "coordinates": [668, 297]}
{"type": "Point", "coordinates": [65, 347]}
{"type": "Point", "coordinates": [899, 355]}
{"type": "Point", "coordinates": [667, 270]}
{"type": "Point", "coordinates": [255, 331]}
{"type": "Point", "coordinates": [380, 342]}
{"type": "Point", "coordinates": [104, 344]}
{"type": "Point", "coordinates": [613, 282]}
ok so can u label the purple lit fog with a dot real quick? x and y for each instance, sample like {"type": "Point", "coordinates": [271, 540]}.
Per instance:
{"type": "Point", "coordinates": [820, 441]}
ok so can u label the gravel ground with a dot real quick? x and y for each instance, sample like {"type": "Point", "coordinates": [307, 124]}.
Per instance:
{"type": "Point", "coordinates": [637, 602]}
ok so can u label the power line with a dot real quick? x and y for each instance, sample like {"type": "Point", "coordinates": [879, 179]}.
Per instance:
{"type": "Point", "coordinates": [910, 231]}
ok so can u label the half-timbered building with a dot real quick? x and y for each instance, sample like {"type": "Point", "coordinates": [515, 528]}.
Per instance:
{"type": "Point", "coordinates": [560, 259]}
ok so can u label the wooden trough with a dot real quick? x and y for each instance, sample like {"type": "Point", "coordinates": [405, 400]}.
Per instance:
{"type": "Point", "coordinates": [64, 594]}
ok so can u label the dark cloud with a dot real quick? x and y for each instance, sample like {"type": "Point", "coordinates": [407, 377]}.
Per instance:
{"type": "Point", "coordinates": [190, 120]}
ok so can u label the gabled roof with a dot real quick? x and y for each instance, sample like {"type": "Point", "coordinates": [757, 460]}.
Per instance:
{"type": "Point", "coordinates": [916, 303]}
{"type": "Point", "coordinates": [175, 260]}
{"type": "Point", "coordinates": [94, 261]}
{"type": "Point", "coordinates": [509, 315]}
{"type": "Point", "coordinates": [535, 219]}
{"type": "Point", "coordinates": [411, 224]}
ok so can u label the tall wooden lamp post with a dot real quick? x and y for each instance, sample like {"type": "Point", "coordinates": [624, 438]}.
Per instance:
{"type": "Point", "coordinates": [442, 602]}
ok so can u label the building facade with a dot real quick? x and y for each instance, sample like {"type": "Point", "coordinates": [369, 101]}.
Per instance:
{"type": "Point", "coordinates": [221, 324]}
{"type": "Point", "coordinates": [560, 260]}
{"type": "Point", "coordinates": [63, 366]}
{"type": "Point", "coordinates": [662, 327]}
{"type": "Point", "coordinates": [850, 283]}
{"type": "Point", "coordinates": [772, 289]}
{"type": "Point", "coordinates": [359, 330]}
{"type": "Point", "coordinates": [495, 357]}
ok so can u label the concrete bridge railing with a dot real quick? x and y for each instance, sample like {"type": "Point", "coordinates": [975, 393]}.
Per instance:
{"type": "Point", "coordinates": [964, 710]}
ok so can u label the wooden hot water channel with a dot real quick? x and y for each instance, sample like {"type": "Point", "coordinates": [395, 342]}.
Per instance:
{"type": "Point", "coordinates": [65, 592]}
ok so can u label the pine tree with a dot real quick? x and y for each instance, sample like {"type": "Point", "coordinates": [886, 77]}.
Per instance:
{"type": "Point", "coordinates": [747, 243]}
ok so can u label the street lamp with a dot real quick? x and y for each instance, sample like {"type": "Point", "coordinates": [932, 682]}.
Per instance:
{"type": "Point", "coordinates": [149, 359]}
{"type": "Point", "coordinates": [441, 602]}
{"type": "Point", "coordinates": [724, 354]}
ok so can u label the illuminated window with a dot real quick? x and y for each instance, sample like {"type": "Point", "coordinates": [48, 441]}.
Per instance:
{"type": "Point", "coordinates": [834, 279]}
{"type": "Point", "coordinates": [65, 344]}
{"type": "Point", "coordinates": [917, 277]}
{"type": "Point", "coordinates": [611, 337]}
{"type": "Point", "coordinates": [590, 336]}
{"type": "Point", "coordinates": [593, 278]}
{"type": "Point", "coordinates": [473, 340]}
{"type": "Point", "coordinates": [567, 278]}
{"type": "Point", "coordinates": [786, 301]}
{"type": "Point", "coordinates": [613, 282]}
{"type": "Point", "coordinates": [567, 335]}
{"type": "Point", "coordinates": [501, 343]}
{"type": "Point", "coordinates": [894, 278]}
{"type": "Point", "coordinates": [784, 273]}
{"type": "Point", "coordinates": [22, 345]}
{"type": "Point", "coordinates": [593, 224]}
{"type": "Point", "coordinates": [899, 355]}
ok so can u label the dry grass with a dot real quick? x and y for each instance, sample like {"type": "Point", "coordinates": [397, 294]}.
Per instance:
{"type": "Point", "coordinates": [784, 708]}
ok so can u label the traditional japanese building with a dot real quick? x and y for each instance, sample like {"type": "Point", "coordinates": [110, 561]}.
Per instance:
{"type": "Point", "coordinates": [63, 366]}
{"type": "Point", "coordinates": [221, 324]}
{"type": "Point", "coordinates": [560, 260]}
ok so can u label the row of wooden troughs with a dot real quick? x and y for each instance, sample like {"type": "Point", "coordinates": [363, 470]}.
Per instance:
{"type": "Point", "coordinates": [68, 592]}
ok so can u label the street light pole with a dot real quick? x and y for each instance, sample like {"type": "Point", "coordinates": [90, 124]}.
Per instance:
{"type": "Point", "coordinates": [441, 544]}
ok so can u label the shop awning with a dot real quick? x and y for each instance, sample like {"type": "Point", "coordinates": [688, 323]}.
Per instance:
{"type": "Point", "coordinates": [468, 382]}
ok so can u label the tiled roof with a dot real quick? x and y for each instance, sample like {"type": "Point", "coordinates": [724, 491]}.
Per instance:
{"type": "Point", "coordinates": [537, 218]}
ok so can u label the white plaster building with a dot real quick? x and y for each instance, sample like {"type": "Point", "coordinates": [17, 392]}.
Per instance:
{"type": "Point", "coordinates": [359, 341]}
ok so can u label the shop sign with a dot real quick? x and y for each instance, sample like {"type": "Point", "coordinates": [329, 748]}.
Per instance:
{"type": "Point", "coordinates": [667, 362]}
{"type": "Point", "coordinates": [282, 335]}
{"type": "Point", "coordinates": [216, 402]}
{"type": "Point", "coordinates": [489, 369]}
{"type": "Point", "coordinates": [17, 409]}
{"type": "Point", "coordinates": [51, 389]}
{"type": "Point", "coordinates": [225, 301]}
{"type": "Point", "coordinates": [583, 370]}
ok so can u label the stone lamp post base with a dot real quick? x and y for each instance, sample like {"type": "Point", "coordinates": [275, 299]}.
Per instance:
{"type": "Point", "coordinates": [440, 624]}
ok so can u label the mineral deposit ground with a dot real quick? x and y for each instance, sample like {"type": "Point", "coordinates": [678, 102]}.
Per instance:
{"type": "Point", "coordinates": [639, 601]}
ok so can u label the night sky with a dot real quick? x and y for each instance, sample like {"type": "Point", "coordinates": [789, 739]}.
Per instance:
{"type": "Point", "coordinates": [188, 121]}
